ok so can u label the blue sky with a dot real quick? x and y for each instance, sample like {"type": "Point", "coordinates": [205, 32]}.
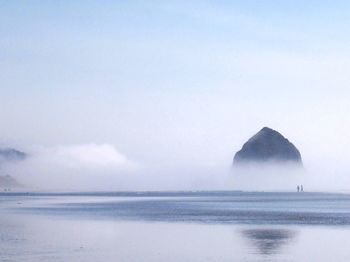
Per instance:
{"type": "Point", "coordinates": [175, 82]}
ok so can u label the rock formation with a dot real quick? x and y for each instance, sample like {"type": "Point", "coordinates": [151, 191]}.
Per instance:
{"type": "Point", "coordinates": [268, 146]}
{"type": "Point", "coordinates": [7, 156]}
{"type": "Point", "coordinates": [10, 154]}
{"type": "Point", "coordinates": [9, 182]}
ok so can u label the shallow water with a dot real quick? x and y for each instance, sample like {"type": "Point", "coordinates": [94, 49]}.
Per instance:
{"type": "Point", "coordinates": [174, 226]}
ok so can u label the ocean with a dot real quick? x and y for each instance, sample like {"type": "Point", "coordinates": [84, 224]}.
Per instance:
{"type": "Point", "coordinates": [174, 226]}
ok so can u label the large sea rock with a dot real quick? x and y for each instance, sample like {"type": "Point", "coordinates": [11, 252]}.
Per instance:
{"type": "Point", "coordinates": [268, 146]}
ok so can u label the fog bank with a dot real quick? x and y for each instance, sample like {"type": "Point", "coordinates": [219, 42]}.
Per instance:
{"type": "Point", "coordinates": [102, 167]}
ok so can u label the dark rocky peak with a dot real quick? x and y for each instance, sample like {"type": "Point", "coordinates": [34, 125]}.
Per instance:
{"type": "Point", "coordinates": [268, 146]}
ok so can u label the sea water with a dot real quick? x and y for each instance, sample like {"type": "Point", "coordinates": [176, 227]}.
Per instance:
{"type": "Point", "coordinates": [174, 226]}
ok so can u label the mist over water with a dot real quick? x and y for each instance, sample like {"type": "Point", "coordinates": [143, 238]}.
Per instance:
{"type": "Point", "coordinates": [102, 167]}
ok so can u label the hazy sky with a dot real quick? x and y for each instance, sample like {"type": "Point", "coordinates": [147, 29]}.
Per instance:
{"type": "Point", "coordinates": [176, 83]}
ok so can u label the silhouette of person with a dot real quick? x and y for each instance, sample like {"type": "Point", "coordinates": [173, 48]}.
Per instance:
{"type": "Point", "coordinates": [298, 188]}
{"type": "Point", "coordinates": [301, 188]}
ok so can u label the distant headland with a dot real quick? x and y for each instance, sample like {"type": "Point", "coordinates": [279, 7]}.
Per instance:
{"type": "Point", "coordinates": [7, 155]}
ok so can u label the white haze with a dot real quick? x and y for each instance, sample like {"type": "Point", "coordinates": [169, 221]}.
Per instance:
{"type": "Point", "coordinates": [102, 167]}
{"type": "Point", "coordinates": [73, 166]}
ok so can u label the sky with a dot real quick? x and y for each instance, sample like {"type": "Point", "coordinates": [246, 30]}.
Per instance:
{"type": "Point", "coordinates": [174, 86]}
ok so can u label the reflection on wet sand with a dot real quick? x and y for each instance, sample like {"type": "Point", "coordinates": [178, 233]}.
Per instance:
{"type": "Point", "coordinates": [269, 241]}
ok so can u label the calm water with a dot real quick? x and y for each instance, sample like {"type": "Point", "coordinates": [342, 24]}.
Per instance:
{"type": "Point", "coordinates": [174, 226]}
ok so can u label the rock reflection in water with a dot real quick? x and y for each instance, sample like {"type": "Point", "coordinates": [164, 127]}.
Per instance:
{"type": "Point", "coordinates": [269, 241]}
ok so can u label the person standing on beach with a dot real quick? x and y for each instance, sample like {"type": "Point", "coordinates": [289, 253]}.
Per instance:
{"type": "Point", "coordinates": [301, 188]}
{"type": "Point", "coordinates": [298, 189]}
